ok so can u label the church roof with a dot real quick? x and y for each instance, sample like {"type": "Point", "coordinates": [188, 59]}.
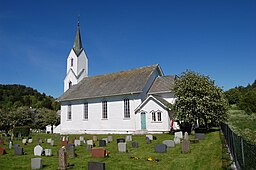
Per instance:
{"type": "Point", "coordinates": [78, 41]}
{"type": "Point", "coordinates": [119, 83]}
{"type": "Point", "coordinates": [162, 84]}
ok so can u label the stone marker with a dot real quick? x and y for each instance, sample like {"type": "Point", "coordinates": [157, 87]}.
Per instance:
{"type": "Point", "coordinates": [24, 141]}
{"type": "Point", "coordinates": [52, 143]}
{"type": "Point", "coordinates": [77, 142]}
{"type": "Point", "coordinates": [135, 144]}
{"type": "Point", "coordinates": [89, 142]}
{"type": "Point", "coordinates": [92, 165]}
{"type": "Point", "coordinates": [40, 141]}
{"type": "Point", "coordinates": [48, 152]}
{"type": "Point", "coordinates": [102, 143]}
{"type": "Point", "coordinates": [148, 141]}
{"type": "Point", "coordinates": [38, 150]}
{"type": "Point", "coordinates": [154, 138]}
{"type": "Point", "coordinates": [169, 143]}
{"type": "Point", "coordinates": [176, 140]}
{"type": "Point", "coordinates": [81, 138]}
{"type": "Point", "coordinates": [30, 140]}
{"type": "Point", "coordinates": [94, 138]}
{"type": "Point", "coordinates": [67, 138]}
{"type": "Point", "coordinates": [10, 145]}
{"type": "Point", "coordinates": [36, 163]}
{"type": "Point", "coordinates": [122, 147]}
{"type": "Point", "coordinates": [18, 150]}
{"type": "Point", "coordinates": [128, 138]}
{"type": "Point", "coordinates": [200, 136]}
{"type": "Point", "coordinates": [160, 148]}
{"type": "Point", "coordinates": [71, 150]}
{"type": "Point", "coordinates": [98, 152]}
{"type": "Point", "coordinates": [89, 148]}
{"type": "Point", "coordinates": [150, 137]}
{"type": "Point", "coordinates": [120, 140]}
{"type": "Point", "coordinates": [185, 146]}
{"type": "Point", "coordinates": [49, 140]}
{"type": "Point", "coordinates": [178, 135]}
{"type": "Point", "coordinates": [105, 139]}
{"type": "Point", "coordinates": [186, 136]}
{"type": "Point", "coordinates": [63, 159]}
{"type": "Point", "coordinates": [2, 151]}
{"type": "Point", "coordinates": [110, 138]}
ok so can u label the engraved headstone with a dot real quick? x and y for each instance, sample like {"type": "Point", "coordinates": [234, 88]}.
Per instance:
{"type": "Point", "coordinates": [96, 165]}
{"type": "Point", "coordinates": [150, 137]}
{"type": "Point", "coordinates": [63, 159]}
{"type": "Point", "coordinates": [24, 141]}
{"type": "Point", "coordinates": [38, 150]}
{"type": "Point", "coordinates": [176, 140]}
{"type": "Point", "coordinates": [36, 163]}
{"type": "Point", "coordinates": [185, 146]}
{"type": "Point", "coordinates": [18, 150]}
{"type": "Point", "coordinates": [98, 152]}
{"type": "Point", "coordinates": [102, 143]}
{"type": "Point", "coordinates": [49, 140]}
{"type": "Point", "coordinates": [186, 136]}
{"type": "Point", "coordinates": [52, 142]}
{"type": "Point", "coordinates": [71, 150]}
{"type": "Point", "coordinates": [77, 142]}
{"type": "Point", "coordinates": [169, 143]}
{"type": "Point", "coordinates": [30, 140]}
{"type": "Point", "coordinates": [89, 142]}
{"type": "Point", "coordinates": [160, 148]}
{"type": "Point", "coordinates": [10, 145]}
{"type": "Point", "coordinates": [81, 138]}
{"type": "Point", "coordinates": [120, 140]}
{"type": "Point", "coordinates": [148, 141]}
{"type": "Point", "coordinates": [128, 138]}
{"type": "Point", "coordinates": [48, 152]}
{"type": "Point", "coordinates": [94, 138]}
{"type": "Point", "coordinates": [122, 147]}
{"type": "Point", "coordinates": [200, 136]}
{"type": "Point", "coordinates": [178, 135]}
{"type": "Point", "coordinates": [110, 138]}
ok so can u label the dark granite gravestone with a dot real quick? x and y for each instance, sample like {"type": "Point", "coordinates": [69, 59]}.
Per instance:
{"type": "Point", "coordinates": [185, 146]}
{"type": "Point", "coordinates": [135, 144]}
{"type": "Point", "coordinates": [102, 143]}
{"type": "Point", "coordinates": [154, 138]}
{"type": "Point", "coordinates": [36, 163]}
{"type": "Point", "coordinates": [148, 141]}
{"type": "Point", "coordinates": [18, 151]}
{"type": "Point", "coordinates": [160, 148]}
{"type": "Point", "coordinates": [62, 159]}
{"type": "Point", "coordinates": [16, 145]}
{"type": "Point", "coordinates": [120, 140]}
{"type": "Point", "coordinates": [200, 136]}
{"type": "Point", "coordinates": [92, 165]}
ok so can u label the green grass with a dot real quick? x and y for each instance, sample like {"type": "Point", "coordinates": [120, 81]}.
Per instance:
{"type": "Point", "coordinates": [243, 124]}
{"type": "Point", "coordinates": [206, 154]}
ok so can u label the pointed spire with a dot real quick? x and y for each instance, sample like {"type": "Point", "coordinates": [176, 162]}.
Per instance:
{"type": "Point", "coordinates": [78, 42]}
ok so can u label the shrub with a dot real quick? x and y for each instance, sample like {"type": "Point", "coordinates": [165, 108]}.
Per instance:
{"type": "Point", "coordinates": [24, 130]}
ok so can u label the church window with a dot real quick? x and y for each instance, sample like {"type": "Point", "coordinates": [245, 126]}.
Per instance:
{"type": "Point", "coordinates": [104, 110]}
{"type": "Point", "coordinates": [85, 111]}
{"type": "Point", "coordinates": [153, 116]}
{"type": "Point", "coordinates": [71, 62]}
{"type": "Point", "coordinates": [126, 108]}
{"type": "Point", "coordinates": [69, 84]}
{"type": "Point", "coordinates": [69, 112]}
{"type": "Point", "coordinates": [159, 116]}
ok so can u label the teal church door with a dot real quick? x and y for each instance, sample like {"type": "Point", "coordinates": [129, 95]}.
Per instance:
{"type": "Point", "coordinates": [143, 120]}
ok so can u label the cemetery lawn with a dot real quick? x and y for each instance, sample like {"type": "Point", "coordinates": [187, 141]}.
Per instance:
{"type": "Point", "coordinates": [205, 155]}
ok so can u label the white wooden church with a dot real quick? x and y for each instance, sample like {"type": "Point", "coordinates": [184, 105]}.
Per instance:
{"type": "Point", "coordinates": [125, 102]}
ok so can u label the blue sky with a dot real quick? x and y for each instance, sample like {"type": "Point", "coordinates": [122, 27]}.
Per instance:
{"type": "Point", "coordinates": [213, 37]}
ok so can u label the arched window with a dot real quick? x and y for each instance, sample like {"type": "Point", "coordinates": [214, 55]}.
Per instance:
{"type": "Point", "coordinates": [104, 109]}
{"type": "Point", "coordinates": [69, 84]}
{"type": "Point", "coordinates": [153, 116]}
{"type": "Point", "coordinates": [71, 62]}
{"type": "Point", "coordinates": [159, 116]}
{"type": "Point", "coordinates": [126, 108]}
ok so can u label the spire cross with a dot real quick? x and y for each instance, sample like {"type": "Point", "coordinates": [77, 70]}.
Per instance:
{"type": "Point", "coordinates": [78, 20]}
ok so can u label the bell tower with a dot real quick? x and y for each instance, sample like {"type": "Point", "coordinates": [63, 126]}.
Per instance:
{"type": "Point", "coordinates": [77, 62]}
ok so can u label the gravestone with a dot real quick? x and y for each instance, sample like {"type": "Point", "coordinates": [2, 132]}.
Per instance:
{"type": "Point", "coordinates": [40, 140]}
{"type": "Point", "coordinates": [16, 145]}
{"type": "Point", "coordinates": [135, 144]}
{"type": "Point", "coordinates": [71, 150]}
{"type": "Point", "coordinates": [67, 138]}
{"type": "Point", "coordinates": [81, 138]}
{"type": "Point", "coordinates": [63, 138]}
{"type": "Point", "coordinates": [200, 136]}
{"type": "Point", "coordinates": [102, 143]}
{"type": "Point", "coordinates": [48, 152]}
{"type": "Point", "coordinates": [120, 140]}
{"type": "Point", "coordinates": [128, 138]}
{"type": "Point", "coordinates": [186, 136]}
{"type": "Point", "coordinates": [185, 146]}
{"type": "Point", "coordinates": [89, 148]}
{"type": "Point", "coordinates": [178, 135]}
{"type": "Point", "coordinates": [150, 137]}
{"type": "Point", "coordinates": [148, 141]}
{"type": "Point", "coordinates": [18, 150]}
{"type": "Point", "coordinates": [77, 142]}
{"type": "Point", "coordinates": [24, 141]}
{"type": "Point", "coordinates": [98, 152]}
{"type": "Point", "coordinates": [92, 165]}
{"type": "Point", "coordinates": [30, 140]}
{"type": "Point", "coordinates": [105, 139]}
{"type": "Point", "coordinates": [10, 145]}
{"type": "Point", "coordinates": [49, 140]}
{"type": "Point", "coordinates": [154, 138]}
{"type": "Point", "coordinates": [176, 140]}
{"type": "Point", "coordinates": [122, 147]}
{"type": "Point", "coordinates": [169, 143]}
{"type": "Point", "coordinates": [2, 151]}
{"type": "Point", "coordinates": [52, 143]}
{"type": "Point", "coordinates": [110, 138]}
{"type": "Point", "coordinates": [36, 163]}
{"type": "Point", "coordinates": [89, 142]}
{"type": "Point", "coordinates": [160, 148]}
{"type": "Point", "coordinates": [94, 138]}
{"type": "Point", "coordinates": [63, 159]}
{"type": "Point", "coordinates": [38, 150]}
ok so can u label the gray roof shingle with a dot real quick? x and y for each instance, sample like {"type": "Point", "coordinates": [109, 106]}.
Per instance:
{"type": "Point", "coordinates": [162, 84]}
{"type": "Point", "coordinates": [124, 82]}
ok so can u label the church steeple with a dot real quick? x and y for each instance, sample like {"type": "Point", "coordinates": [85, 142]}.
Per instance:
{"type": "Point", "coordinates": [78, 42]}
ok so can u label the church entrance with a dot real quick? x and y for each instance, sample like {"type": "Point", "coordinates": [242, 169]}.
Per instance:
{"type": "Point", "coordinates": [143, 120]}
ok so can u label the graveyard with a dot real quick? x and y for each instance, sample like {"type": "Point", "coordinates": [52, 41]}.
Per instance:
{"type": "Point", "coordinates": [156, 151]}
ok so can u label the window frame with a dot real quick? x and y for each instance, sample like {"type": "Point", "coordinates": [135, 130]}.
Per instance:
{"type": "Point", "coordinates": [127, 112]}
{"type": "Point", "coordinates": [159, 116]}
{"type": "Point", "coordinates": [69, 112]}
{"type": "Point", "coordinates": [85, 111]}
{"type": "Point", "coordinates": [104, 109]}
{"type": "Point", "coordinates": [153, 116]}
